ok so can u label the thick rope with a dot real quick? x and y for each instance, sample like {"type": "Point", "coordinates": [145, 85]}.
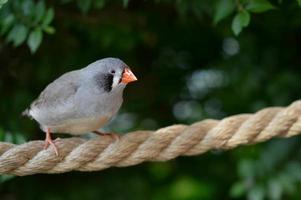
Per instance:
{"type": "Point", "coordinates": [161, 145]}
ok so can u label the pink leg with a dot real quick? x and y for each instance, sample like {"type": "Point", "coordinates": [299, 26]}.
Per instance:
{"type": "Point", "coordinates": [113, 135]}
{"type": "Point", "coordinates": [48, 141]}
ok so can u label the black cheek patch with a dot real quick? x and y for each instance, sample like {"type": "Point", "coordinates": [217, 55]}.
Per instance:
{"type": "Point", "coordinates": [104, 81]}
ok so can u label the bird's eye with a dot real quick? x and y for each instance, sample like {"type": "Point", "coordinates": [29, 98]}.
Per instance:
{"type": "Point", "coordinates": [112, 71]}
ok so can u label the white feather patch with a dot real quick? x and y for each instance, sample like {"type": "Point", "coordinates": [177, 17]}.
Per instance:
{"type": "Point", "coordinates": [115, 81]}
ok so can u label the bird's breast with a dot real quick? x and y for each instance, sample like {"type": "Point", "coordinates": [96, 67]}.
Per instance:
{"type": "Point", "coordinates": [80, 126]}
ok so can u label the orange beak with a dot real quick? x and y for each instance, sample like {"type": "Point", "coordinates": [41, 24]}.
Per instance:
{"type": "Point", "coordinates": [128, 76]}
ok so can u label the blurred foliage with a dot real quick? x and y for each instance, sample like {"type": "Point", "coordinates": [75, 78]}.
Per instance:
{"type": "Point", "coordinates": [26, 20]}
{"type": "Point", "coordinates": [190, 67]}
{"type": "Point", "coordinates": [276, 172]}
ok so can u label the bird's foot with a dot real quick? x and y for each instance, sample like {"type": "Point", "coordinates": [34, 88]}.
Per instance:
{"type": "Point", "coordinates": [49, 141]}
{"type": "Point", "coordinates": [113, 135]}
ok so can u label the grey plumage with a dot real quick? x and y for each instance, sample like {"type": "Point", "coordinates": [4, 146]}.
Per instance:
{"type": "Point", "coordinates": [81, 101]}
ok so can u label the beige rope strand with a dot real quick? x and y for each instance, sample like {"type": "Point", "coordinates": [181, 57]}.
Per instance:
{"type": "Point", "coordinates": [161, 145]}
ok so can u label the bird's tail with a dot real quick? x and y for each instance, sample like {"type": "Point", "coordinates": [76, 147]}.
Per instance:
{"type": "Point", "coordinates": [26, 113]}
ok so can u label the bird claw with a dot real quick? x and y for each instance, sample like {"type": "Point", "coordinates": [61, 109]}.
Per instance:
{"type": "Point", "coordinates": [113, 135]}
{"type": "Point", "coordinates": [49, 141]}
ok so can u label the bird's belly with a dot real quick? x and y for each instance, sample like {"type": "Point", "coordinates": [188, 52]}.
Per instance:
{"type": "Point", "coordinates": [79, 126]}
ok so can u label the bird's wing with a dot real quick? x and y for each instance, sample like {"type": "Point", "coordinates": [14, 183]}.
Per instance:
{"type": "Point", "coordinates": [57, 94]}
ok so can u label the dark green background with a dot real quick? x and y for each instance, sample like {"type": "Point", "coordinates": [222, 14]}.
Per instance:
{"type": "Point", "coordinates": [188, 70]}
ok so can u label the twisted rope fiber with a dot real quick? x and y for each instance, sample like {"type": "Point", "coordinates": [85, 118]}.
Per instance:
{"type": "Point", "coordinates": [161, 145]}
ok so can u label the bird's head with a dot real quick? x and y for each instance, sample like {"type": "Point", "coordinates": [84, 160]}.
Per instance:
{"type": "Point", "coordinates": [110, 74]}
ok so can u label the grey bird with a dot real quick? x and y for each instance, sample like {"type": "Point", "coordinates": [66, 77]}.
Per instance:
{"type": "Point", "coordinates": [83, 100]}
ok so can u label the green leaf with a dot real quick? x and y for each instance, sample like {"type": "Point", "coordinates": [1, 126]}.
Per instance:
{"type": "Point", "coordinates": [246, 168]}
{"type": "Point", "coordinates": [223, 8]}
{"type": "Point", "coordinates": [126, 3]}
{"type": "Point", "coordinates": [40, 11]}
{"type": "Point", "coordinates": [16, 138]}
{"type": "Point", "coordinates": [259, 6]}
{"type": "Point", "coordinates": [237, 190]}
{"type": "Point", "coordinates": [4, 178]}
{"type": "Point", "coordinates": [299, 2]}
{"type": "Point", "coordinates": [49, 29]}
{"type": "Point", "coordinates": [241, 20]}
{"type": "Point", "coordinates": [19, 138]}
{"type": "Point", "coordinates": [2, 2]}
{"type": "Point", "coordinates": [34, 40]}
{"type": "Point", "coordinates": [17, 34]}
{"type": "Point", "coordinates": [287, 183]}
{"type": "Point", "coordinates": [256, 193]}
{"type": "Point", "coordinates": [187, 188]}
{"type": "Point", "coordinates": [274, 189]}
{"type": "Point", "coordinates": [84, 5]}
{"type": "Point", "coordinates": [7, 23]}
{"type": "Point", "coordinates": [48, 17]}
{"type": "Point", "coordinates": [28, 8]}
